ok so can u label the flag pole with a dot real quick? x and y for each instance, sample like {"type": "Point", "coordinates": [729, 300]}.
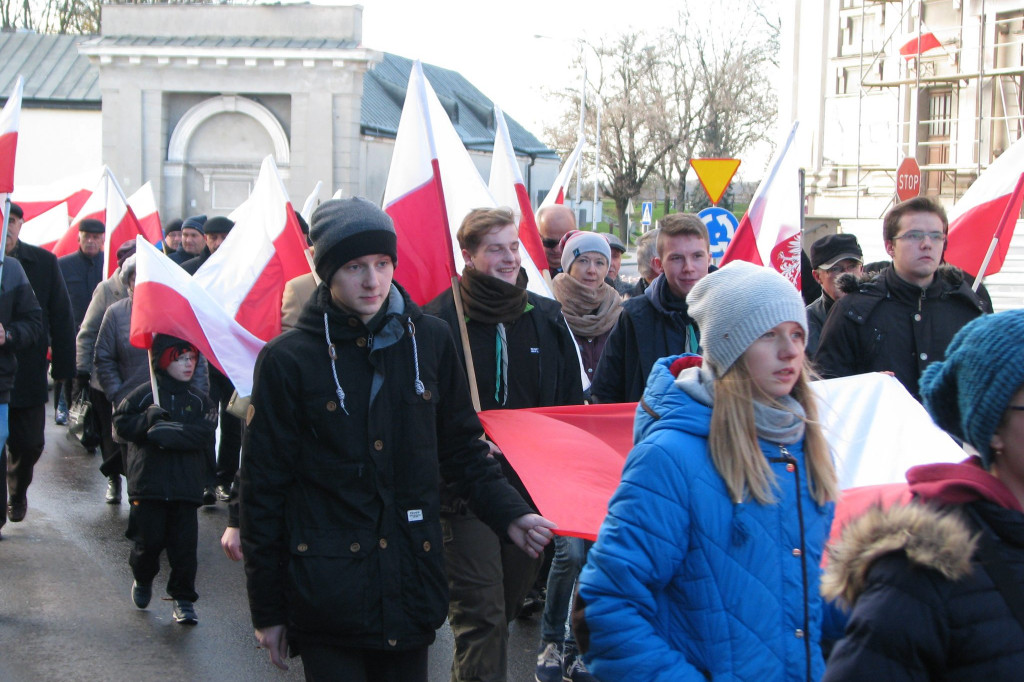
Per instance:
{"type": "Point", "coordinates": [3, 235]}
{"type": "Point", "coordinates": [1008, 215]}
{"type": "Point", "coordinates": [474, 392]}
{"type": "Point", "coordinates": [152, 377]}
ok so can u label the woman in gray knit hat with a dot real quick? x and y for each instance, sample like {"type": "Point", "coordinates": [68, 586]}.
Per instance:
{"type": "Point", "coordinates": [706, 566]}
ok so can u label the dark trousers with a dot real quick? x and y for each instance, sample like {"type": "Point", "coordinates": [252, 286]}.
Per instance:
{"type": "Point", "coordinates": [326, 663]}
{"type": "Point", "coordinates": [153, 526]}
{"type": "Point", "coordinates": [487, 580]}
{"type": "Point", "coordinates": [24, 446]}
{"type": "Point", "coordinates": [230, 428]}
{"type": "Point", "coordinates": [113, 453]}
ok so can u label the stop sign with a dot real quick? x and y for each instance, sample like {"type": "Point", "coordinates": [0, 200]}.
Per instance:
{"type": "Point", "coordinates": [908, 179]}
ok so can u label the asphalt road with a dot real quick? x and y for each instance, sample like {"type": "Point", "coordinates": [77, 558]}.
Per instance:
{"type": "Point", "coordinates": [66, 613]}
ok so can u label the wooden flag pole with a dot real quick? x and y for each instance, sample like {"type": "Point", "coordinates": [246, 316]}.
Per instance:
{"type": "Point", "coordinates": [474, 392]}
{"type": "Point", "coordinates": [152, 378]}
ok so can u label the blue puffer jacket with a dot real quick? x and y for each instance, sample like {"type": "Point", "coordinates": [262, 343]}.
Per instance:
{"type": "Point", "coordinates": [682, 584]}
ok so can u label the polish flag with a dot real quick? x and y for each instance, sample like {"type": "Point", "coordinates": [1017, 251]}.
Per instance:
{"type": "Point", "coordinates": [107, 204]}
{"type": "Point", "coordinates": [168, 301]}
{"type": "Point", "coordinates": [509, 189]}
{"type": "Point", "coordinates": [917, 46]}
{"type": "Point", "coordinates": [415, 199]}
{"type": "Point", "coordinates": [769, 233]}
{"type": "Point", "coordinates": [264, 250]}
{"type": "Point", "coordinates": [974, 219]}
{"type": "Point", "coordinates": [9, 121]}
{"type": "Point", "coordinates": [311, 202]}
{"type": "Point", "coordinates": [143, 205]}
{"type": "Point", "coordinates": [44, 230]}
{"type": "Point", "coordinates": [875, 428]}
{"type": "Point", "coordinates": [557, 193]}
{"type": "Point", "coordinates": [73, 191]}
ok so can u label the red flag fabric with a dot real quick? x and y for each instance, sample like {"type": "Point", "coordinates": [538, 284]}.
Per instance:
{"type": "Point", "coordinates": [143, 205]}
{"type": "Point", "coordinates": [168, 301]}
{"type": "Point", "coordinates": [10, 119]}
{"type": "Point", "coordinates": [769, 233]}
{"type": "Point", "coordinates": [915, 46]}
{"type": "Point", "coordinates": [73, 191]}
{"type": "Point", "coordinates": [107, 204]}
{"type": "Point", "coordinates": [508, 188]}
{"type": "Point", "coordinates": [570, 458]}
{"type": "Point", "coordinates": [974, 219]}
{"type": "Point", "coordinates": [414, 198]}
{"type": "Point", "coordinates": [262, 252]}
{"type": "Point", "coordinates": [556, 195]}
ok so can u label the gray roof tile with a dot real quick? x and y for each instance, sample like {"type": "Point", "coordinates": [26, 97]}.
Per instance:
{"type": "Point", "coordinates": [54, 71]}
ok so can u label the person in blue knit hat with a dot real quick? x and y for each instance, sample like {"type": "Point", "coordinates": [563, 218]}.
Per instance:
{"type": "Point", "coordinates": [937, 586]}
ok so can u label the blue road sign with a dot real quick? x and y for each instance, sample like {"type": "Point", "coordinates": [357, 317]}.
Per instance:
{"type": "Point", "coordinates": [721, 227]}
{"type": "Point", "coordinates": [646, 212]}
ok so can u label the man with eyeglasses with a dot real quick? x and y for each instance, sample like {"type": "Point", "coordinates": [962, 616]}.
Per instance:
{"type": "Point", "coordinates": [831, 256]}
{"type": "Point", "coordinates": [904, 319]}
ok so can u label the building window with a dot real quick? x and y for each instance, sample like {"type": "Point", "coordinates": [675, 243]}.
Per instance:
{"type": "Point", "coordinates": [847, 80]}
{"type": "Point", "coordinates": [938, 129]}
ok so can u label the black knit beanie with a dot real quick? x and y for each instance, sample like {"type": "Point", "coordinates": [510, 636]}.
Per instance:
{"type": "Point", "coordinates": [345, 229]}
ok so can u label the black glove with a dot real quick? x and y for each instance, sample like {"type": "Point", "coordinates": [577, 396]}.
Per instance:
{"type": "Point", "coordinates": [155, 414]}
{"type": "Point", "coordinates": [81, 382]}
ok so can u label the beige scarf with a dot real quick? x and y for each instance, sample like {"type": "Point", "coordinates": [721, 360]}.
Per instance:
{"type": "Point", "coordinates": [589, 312]}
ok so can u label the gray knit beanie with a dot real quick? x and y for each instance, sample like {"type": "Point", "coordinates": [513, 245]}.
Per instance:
{"type": "Point", "coordinates": [968, 392]}
{"type": "Point", "coordinates": [576, 243]}
{"type": "Point", "coordinates": [344, 229]}
{"type": "Point", "coordinates": [735, 305]}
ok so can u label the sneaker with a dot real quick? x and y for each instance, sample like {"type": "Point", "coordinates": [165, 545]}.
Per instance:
{"type": "Point", "coordinates": [60, 416]}
{"type": "Point", "coordinates": [209, 497]}
{"type": "Point", "coordinates": [549, 663]}
{"type": "Point", "coordinates": [141, 594]}
{"type": "Point", "coordinates": [575, 671]}
{"type": "Point", "coordinates": [533, 603]}
{"type": "Point", "coordinates": [184, 612]}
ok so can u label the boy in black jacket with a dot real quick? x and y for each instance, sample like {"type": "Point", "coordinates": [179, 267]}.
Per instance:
{"type": "Point", "coordinates": [166, 472]}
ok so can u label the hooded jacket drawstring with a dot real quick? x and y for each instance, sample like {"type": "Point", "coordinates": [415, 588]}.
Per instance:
{"type": "Point", "coordinates": [333, 354]}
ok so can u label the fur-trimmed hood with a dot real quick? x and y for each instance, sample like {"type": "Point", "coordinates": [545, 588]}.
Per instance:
{"type": "Point", "coordinates": [930, 537]}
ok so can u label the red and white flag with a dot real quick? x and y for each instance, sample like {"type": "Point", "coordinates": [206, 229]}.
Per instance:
{"type": "Point", "coordinates": [168, 301]}
{"type": "Point", "coordinates": [918, 45]}
{"type": "Point", "coordinates": [108, 205]}
{"type": "Point", "coordinates": [557, 193]}
{"type": "Point", "coordinates": [264, 250]}
{"type": "Point", "coordinates": [73, 191]}
{"type": "Point", "coordinates": [44, 230]}
{"type": "Point", "coordinates": [143, 205]}
{"type": "Point", "coordinates": [10, 119]}
{"type": "Point", "coordinates": [415, 199]}
{"type": "Point", "coordinates": [974, 219]}
{"type": "Point", "coordinates": [769, 233]}
{"type": "Point", "coordinates": [508, 188]}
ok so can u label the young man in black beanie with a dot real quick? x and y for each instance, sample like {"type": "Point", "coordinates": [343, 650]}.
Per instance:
{"type": "Point", "coordinates": [356, 414]}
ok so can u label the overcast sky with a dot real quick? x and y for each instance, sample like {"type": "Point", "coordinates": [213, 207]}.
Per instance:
{"type": "Point", "coordinates": [493, 44]}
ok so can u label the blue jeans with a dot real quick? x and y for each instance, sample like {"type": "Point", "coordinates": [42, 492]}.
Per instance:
{"type": "Point", "coordinates": [570, 553]}
{"type": "Point", "coordinates": [4, 430]}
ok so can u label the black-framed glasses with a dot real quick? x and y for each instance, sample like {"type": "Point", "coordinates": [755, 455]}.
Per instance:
{"type": "Point", "coordinates": [918, 236]}
{"type": "Point", "coordinates": [550, 243]}
{"type": "Point", "coordinates": [1015, 407]}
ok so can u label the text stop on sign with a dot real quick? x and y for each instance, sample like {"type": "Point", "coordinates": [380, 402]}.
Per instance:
{"type": "Point", "coordinates": [908, 179]}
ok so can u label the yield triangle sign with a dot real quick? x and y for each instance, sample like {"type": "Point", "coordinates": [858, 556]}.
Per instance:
{"type": "Point", "coordinates": [715, 175]}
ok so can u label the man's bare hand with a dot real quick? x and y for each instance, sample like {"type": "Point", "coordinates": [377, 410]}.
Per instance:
{"type": "Point", "coordinates": [231, 543]}
{"type": "Point", "coordinates": [531, 533]}
{"type": "Point", "coordinates": [273, 638]}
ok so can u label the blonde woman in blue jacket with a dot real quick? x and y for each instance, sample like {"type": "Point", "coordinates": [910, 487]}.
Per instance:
{"type": "Point", "coordinates": [707, 564]}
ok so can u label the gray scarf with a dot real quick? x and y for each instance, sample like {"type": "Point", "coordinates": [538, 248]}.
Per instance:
{"type": "Point", "coordinates": [781, 423]}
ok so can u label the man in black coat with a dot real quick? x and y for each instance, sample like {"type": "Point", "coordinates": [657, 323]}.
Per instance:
{"type": "Point", "coordinates": [27, 408]}
{"type": "Point", "coordinates": [192, 240]}
{"type": "Point", "coordinates": [356, 414]}
{"type": "Point", "coordinates": [656, 324]}
{"type": "Point", "coordinates": [82, 272]}
{"type": "Point", "coordinates": [904, 319]}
